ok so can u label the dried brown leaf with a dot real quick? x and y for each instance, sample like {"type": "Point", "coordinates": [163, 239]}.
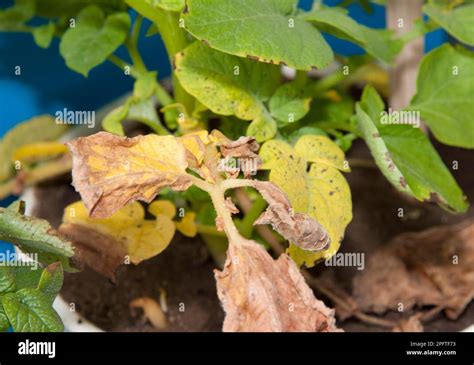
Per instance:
{"type": "Point", "coordinates": [110, 171]}
{"type": "Point", "coordinates": [432, 267]}
{"type": "Point", "coordinates": [411, 324]}
{"type": "Point", "coordinates": [262, 295]}
{"type": "Point", "coordinates": [298, 228]}
{"type": "Point", "coordinates": [101, 252]}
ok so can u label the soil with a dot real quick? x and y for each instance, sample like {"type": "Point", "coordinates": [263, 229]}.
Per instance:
{"type": "Point", "coordinates": [184, 270]}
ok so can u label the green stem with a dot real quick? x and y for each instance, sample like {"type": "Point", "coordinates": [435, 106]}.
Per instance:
{"type": "Point", "coordinates": [175, 41]}
{"type": "Point", "coordinates": [258, 207]}
{"type": "Point", "coordinates": [210, 230]}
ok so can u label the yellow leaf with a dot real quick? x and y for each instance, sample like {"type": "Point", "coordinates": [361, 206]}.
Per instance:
{"type": "Point", "coordinates": [40, 151]}
{"type": "Point", "coordinates": [140, 238]}
{"type": "Point", "coordinates": [323, 192]}
{"type": "Point", "coordinates": [321, 150]}
{"type": "Point", "coordinates": [111, 171]}
{"type": "Point", "coordinates": [162, 207]}
{"type": "Point", "coordinates": [187, 225]}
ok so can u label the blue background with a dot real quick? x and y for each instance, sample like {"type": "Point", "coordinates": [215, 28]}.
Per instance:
{"type": "Point", "coordinates": [47, 85]}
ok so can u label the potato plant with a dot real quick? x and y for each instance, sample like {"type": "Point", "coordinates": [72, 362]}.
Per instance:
{"type": "Point", "coordinates": [232, 131]}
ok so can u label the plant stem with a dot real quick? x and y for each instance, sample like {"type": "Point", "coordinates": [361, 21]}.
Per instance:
{"type": "Point", "coordinates": [210, 230]}
{"type": "Point", "coordinates": [251, 215]}
{"type": "Point", "coordinates": [175, 41]}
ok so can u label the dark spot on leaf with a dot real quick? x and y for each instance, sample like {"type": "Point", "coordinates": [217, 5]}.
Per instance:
{"type": "Point", "coordinates": [253, 58]}
{"type": "Point", "coordinates": [331, 193]}
{"type": "Point", "coordinates": [205, 42]}
{"type": "Point", "coordinates": [376, 135]}
{"type": "Point", "coordinates": [283, 63]}
{"type": "Point", "coordinates": [403, 182]}
{"type": "Point", "coordinates": [186, 9]}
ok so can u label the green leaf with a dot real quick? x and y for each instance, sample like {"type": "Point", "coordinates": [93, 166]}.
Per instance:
{"type": "Point", "coordinates": [112, 122]}
{"type": "Point", "coordinates": [93, 39]}
{"type": "Point", "coordinates": [445, 89]}
{"type": "Point", "coordinates": [378, 43]}
{"type": "Point", "coordinates": [267, 31]}
{"type": "Point", "coordinates": [322, 192]}
{"type": "Point", "coordinates": [4, 322]}
{"type": "Point", "coordinates": [262, 128]}
{"type": "Point", "coordinates": [289, 104]}
{"type": "Point", "coordinates": [458, 22]}
{"type": "Point", "coordinates": [149, 8]}
{"type": "Point", "coordinates": [229, 85]}
{"type": "Point", "coordinates": [38, 129]}
{"type": "Point", "coordinates": [27, 276]}
{"type": "Point", "coordinates": [35, 235]}
{"type": "Point", "coordinates": [57, 9]}
{"type": "Point", "coordinates": [29, 310]}
{"type": "Point", "coordinates": [51, 281]}
{"type": "Point", "coordinates": [13, 17]}
{"type": "Point", "coordinates": [43, 35]}
{"type": "Point", "coordinates": [7, 279]}
{"type": "Point", "coordinates": [406, 157]}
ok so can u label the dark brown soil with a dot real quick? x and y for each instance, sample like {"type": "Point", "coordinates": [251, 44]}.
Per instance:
{"type": "Point", "coordinates": [184, 270]}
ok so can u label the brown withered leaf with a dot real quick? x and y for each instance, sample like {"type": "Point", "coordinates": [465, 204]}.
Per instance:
{"type": "Point", "coordinates": [110, 171]}
{"type": "Point", "coordinates": [432, 267]}
{"type": "Point", "coordinates": [262, 295]}
{"type": "Point", "coordinates": [97, 250]}
{"type": "Point", "coordinates": [298, 228]}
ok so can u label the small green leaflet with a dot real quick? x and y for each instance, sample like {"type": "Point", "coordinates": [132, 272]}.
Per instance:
{"type": "Point", "coordinates": [445, 95]}
{"type": "Point", "coordinates": [43, 35]}
{"type": "Point", "coordinates": [406, 157]}
{"type": "Point", "coordinates": [26, 302]}
{"type": "Point", "coordinates": [29, 310]}
{"type": "Point", "coordinates": [229, 85]}
{"type": "Point", "coordinates": [289, 104]}
{"type": "Point", "coordinates": [378, 43]}
{"type": "Point", "coordinates": [268, 31]}
{"type": "Point", "coordinates": [93, 39]}
{"type": "Point", "coordinates": [458, 22]}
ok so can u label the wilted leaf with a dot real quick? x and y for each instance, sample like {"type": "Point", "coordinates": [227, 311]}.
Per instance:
{"type": "Point", "coordinates": [262, 295]}
{"type": "Point", "coordinates": [111, 171]}
{"type": "Point", "coordinates": [162, 207]}
{"type": "Point", "coordinates": [298, 228]}
{"type": "Point", "coordinates": [39, 151]}
{"type": "Point", "coordinates": [444, 88]}
{"type": "Point", "coordinates": [187, 225]}
{"type": "Point", "coordinates": [322, 193]}
{"type": "Point", "coordinates": [275, 36]}
{"type": "Point", "coordinates": [432, 267]}
{"type": "Point", "coordinates": [39, 129]}
{"type": "Point", "coordinates": [95, 35]}
{"type": "Point", "coordinates": [127, 229]}
{"type": "Point", "coordinates": [406, 157]}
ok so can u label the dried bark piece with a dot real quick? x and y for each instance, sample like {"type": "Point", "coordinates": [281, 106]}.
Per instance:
{"type": "Point", "coordinates": [298, 228]}
{"type": "Point", "coordinates": [111, 171]}
{"type": "Point", "coordinates": [262, 295]}
{"type": "Point", "coordinates": [432, 267]}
